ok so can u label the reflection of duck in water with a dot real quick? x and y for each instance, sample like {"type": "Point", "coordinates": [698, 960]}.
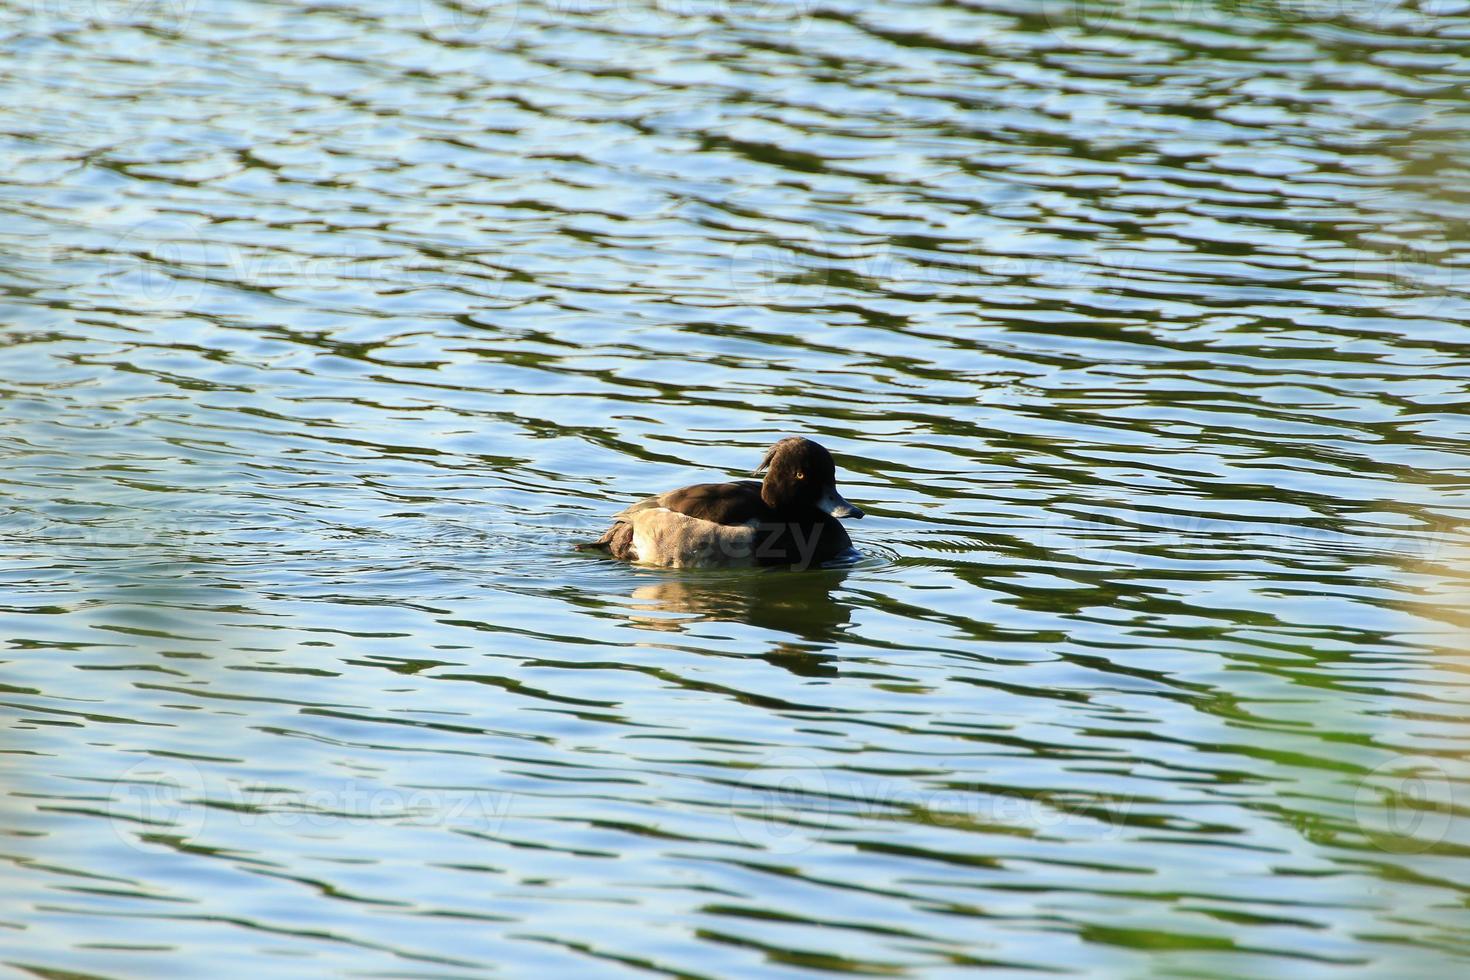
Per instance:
{"type": "Point", "coordinates": [800, 605]}
{"type": "Point", "coordinates": [788, 519]}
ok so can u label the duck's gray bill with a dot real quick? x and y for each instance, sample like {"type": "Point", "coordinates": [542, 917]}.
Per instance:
{"type": "Point", "coordinates": [833, 504]}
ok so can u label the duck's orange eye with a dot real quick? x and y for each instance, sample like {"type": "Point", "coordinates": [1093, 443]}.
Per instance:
{"type": "Point", "coordinates": [800, 475]}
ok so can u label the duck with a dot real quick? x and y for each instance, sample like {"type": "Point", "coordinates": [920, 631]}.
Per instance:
{"type": "Point", "coordinates": [791, 517]}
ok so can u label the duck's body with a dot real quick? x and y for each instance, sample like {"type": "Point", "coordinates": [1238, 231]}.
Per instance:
{"type": "Point", "coordinates": [788, 519]}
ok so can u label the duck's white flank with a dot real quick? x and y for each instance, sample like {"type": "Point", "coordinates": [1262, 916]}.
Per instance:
{"type": "Point", "coordinates": [673, 540]}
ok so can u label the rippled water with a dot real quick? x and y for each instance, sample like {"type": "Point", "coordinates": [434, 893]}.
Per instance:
{"type": "Point", "coordinates": [1139, 330]}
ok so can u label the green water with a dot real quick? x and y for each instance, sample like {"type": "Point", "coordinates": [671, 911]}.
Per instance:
{"type": "Point", "coordinates": [1139, 331]}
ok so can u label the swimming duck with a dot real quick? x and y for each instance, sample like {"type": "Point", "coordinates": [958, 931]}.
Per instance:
{"type": "Point", "coordinates": [789, 518]}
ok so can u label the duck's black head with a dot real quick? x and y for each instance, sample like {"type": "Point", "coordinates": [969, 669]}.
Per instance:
{"type": "Point", "coordinates": [800, 474]}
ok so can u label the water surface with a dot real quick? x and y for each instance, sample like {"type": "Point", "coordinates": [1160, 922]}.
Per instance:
{"type": "Point", "coordinates": [1138, 330]}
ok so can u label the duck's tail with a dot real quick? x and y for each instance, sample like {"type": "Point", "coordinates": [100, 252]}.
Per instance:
{"type": "Point", "coordinates": [616, 541]}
